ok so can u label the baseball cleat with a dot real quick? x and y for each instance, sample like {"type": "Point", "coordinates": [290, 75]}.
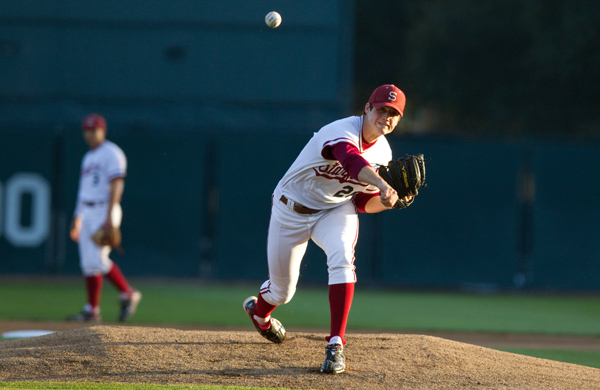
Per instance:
{"type": "Point", "coordinates": [84, 316]}
{"type": "Point", "coordinates": [129, 305]}
{"type": "Point", "coordinates": [274, 333]}
{"type": "Point", "coordinates": [335, 360]}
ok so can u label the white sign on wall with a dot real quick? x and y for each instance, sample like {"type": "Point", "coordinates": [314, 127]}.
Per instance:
{"type": "Point", "coordinates": [11, 209]}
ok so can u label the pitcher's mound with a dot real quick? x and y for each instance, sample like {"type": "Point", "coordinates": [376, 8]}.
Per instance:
{"type": "Point", "coordinates": [374, 361]}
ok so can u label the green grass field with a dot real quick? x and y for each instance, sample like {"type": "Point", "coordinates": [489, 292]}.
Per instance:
{"type": "Point", "coordinates": [198, 303]}
{"type": "Point", "coordinates": [204, 304]}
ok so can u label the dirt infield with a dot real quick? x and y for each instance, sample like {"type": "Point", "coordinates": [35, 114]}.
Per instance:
{"type": "Point", "coordinates": [491, 340]}
{"type": "Point", "coordinates": [135, 354]}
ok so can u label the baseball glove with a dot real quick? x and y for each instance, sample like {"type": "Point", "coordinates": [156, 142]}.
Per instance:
{"type": "Point", "coordinates": [110, 236]}
{"type": "Point", "coordinates": [406, 176]}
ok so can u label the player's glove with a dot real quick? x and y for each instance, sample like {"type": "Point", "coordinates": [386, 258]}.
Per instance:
{"type": "Point", "coordinates": [110, 236]}
{"type": "Point", "coordinates": [406, 176]}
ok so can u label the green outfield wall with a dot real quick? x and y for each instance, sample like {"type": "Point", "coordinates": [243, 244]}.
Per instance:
{"type": "Point", "coordinates": [211, 107]}
{"type": "Point", "coordinates": [495, 215]}
{"type": "Point", "coordinates": [180, 64]}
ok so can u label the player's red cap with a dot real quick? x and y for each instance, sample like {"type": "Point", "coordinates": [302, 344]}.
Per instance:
{"type": "Point", "coordinates": [388, 95]}
{"type": "Point", "coordinates": [93, 121]}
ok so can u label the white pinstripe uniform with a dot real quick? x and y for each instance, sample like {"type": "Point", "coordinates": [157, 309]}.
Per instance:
{"type": "Point", "coordinates": [320, 184]}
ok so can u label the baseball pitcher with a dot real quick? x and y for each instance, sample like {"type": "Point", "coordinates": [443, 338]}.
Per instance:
{"type": "Point", "coordinates": [334, 177]}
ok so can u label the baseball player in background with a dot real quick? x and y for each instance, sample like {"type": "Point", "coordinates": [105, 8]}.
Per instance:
{"type": "Point", "coordinates": [101, 184]}
{"type": "Point", "coordinates": [333, 177]}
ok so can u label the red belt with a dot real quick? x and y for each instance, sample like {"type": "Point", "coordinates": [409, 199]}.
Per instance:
{"type": "Point", "coordinates": [298, 207]}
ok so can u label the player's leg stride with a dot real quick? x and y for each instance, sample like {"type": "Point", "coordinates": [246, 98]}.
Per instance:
{"type": "Point", "coordinates": [335, 360]}
{"type": "Point", "coordinates": [129, 305]}
{"type": "Point", "coordinates": [274, 331]}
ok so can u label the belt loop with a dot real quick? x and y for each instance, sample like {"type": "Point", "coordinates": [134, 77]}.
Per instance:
{"type": "Point", "coordinates": [289, 204]}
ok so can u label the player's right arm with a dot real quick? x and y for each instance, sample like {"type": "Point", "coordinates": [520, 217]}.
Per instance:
{"type": "Point", "coordinates": [75, 228]}
{"type": "Point", "coordinates": [371, 203]}
{"type": "Point", "coordinates": [349, 156]}
{"type": "Point", "coordinates": [387, 195]}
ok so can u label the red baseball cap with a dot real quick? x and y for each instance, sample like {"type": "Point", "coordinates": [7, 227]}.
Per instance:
{"type": "Point", "coordinates": [388, 95]}
{"type": "Point", "coordinates": [93, 121]}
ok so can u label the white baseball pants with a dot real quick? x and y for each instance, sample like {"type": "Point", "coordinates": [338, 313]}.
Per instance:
{"type": "Point", "coordinates": [93, 258]}
{"type": "Point", "coordinates": [335, 231]}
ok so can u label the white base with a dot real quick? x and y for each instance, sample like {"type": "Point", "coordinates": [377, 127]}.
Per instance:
{"type": "Point", "coordinates": [19, 334]}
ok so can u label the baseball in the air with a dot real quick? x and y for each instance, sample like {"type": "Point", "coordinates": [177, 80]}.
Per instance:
{"type": "Point", "coordinates": [273, 19]}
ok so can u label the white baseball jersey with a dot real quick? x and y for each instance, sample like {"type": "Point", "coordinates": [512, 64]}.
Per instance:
{"type": "Point", "coordinates": [322, 184]}
{"type": "Point", "coordinates": [98, 167]}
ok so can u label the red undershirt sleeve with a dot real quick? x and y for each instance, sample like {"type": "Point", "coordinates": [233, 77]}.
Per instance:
{"type": "Point", "coordinates": [348, 155]}
{"type": "Point", "coordinates": [361, 199]}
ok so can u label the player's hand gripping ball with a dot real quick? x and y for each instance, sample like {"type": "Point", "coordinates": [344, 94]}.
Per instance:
{"type": "Point", "coordinates": [273, 19]}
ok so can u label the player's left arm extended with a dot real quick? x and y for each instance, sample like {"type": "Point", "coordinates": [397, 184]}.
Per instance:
{"type": "Point", "coordinates": [116, 192]}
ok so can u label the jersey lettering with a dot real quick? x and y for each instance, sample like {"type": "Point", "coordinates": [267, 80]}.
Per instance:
{"type": "Point", "coordinates": [335, 172]}
{"type": "Point", "coordinates": [347, 191]}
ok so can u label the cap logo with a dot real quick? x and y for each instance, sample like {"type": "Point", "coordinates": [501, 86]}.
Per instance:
{"type": "Point", "coordinates": [392, 97]}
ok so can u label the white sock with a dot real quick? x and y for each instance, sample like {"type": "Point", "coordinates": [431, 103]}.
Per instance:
{"type": "Point", "coordinates": [336, 340]}
{"type": "Point", "coordinates": [89, 309]}
{"type": "Point", "coordinates": [262, 321]}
